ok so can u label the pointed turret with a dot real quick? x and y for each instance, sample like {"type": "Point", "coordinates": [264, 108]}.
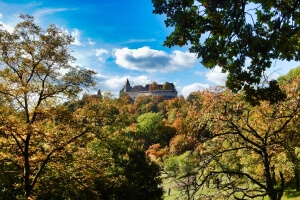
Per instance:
{"type": "Point", "coordinates": [127, 82]}
{"type": "Point", "coordinates": [127, 86]}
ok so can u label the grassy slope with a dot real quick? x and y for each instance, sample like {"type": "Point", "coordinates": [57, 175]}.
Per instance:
{"type": "Point", "coordinates": [175, 194]}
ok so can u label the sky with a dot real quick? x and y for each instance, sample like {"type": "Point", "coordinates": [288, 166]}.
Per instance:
{"type": "Point", "coordinates": [122, 39]}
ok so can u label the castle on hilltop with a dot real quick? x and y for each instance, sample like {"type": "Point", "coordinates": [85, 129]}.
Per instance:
{"type": "Point", "coordinates": [167, 90]}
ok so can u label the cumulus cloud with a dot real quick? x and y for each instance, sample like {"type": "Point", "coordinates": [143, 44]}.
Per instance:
{"type": "Point", "coordinates": [150, 60]}
{"type": "Point", "coordinates": [186, 90]}
{"type": "Point", "coordinates": [101, 54]}
{"type": "Point", "coordinates": [216, 76]}
{"type": "Point", "coordinates": [76, 35]}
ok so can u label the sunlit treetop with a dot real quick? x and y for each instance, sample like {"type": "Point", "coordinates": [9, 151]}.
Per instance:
{"type": "Point", "coordinates": [242, 37]}
{"type": "Point", "coordinates": [292, 74]}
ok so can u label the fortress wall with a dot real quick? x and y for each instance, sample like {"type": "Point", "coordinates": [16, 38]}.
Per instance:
{"type": "Point", "coordinates": [167, 94]}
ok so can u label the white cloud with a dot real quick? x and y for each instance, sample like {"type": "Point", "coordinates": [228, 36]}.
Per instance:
{"type": "Point", "coordinates": [84, 57]}
{"type": "Point", "coordinates": [100, 76]}
{"type": "Point", "coordinates": [139, 40]}
{"type": "Point", "coordinates": [91, 42]}
{"type": "Point", "coordinates": [199, 73]}
{"type": "Point", "coordinates": [49, 11]}
{"type": "Point", "coordinates": [76, 35]}
{"type": "Point", "coordinates": [6, 26]}
{"type": "Point", "coordinates": [139, 80]}
{"type": "Point", "coordinates": [216, 76]}
{"type": "Point", "coordinates": [115, 84]}
{"type": "Point", "coordinates": [101, 54]}
{"type": "Point", "coordinates": [150, 60]}
{"type": "Point", "coordinates": [186, 90]}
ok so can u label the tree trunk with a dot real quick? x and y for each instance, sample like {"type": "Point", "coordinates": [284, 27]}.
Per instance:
{"type": "Point", "coordinates": [297, 179]}
{"type": "Point", "coordinates": [27, 186]}
{"type": "Point", "coordinates": [273, 193]}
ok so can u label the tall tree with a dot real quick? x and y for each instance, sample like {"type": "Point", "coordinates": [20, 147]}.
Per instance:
{"type": "Point", "coordinates": [232, 34]}
{"type": "Point", "coordinates": [35, 75]}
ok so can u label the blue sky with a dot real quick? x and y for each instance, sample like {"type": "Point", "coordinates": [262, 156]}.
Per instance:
{"type": "Point", "coordinates": [122, 39]}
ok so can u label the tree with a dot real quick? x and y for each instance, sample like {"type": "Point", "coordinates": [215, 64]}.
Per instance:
{"type": "Point", "coordinates": [144, 104]}
{"type": "Point", "coordinates": [152, 129]}
{"type": "Point", "coordinates": [231, 33]}
{"type": "Point", "coordinates": [181, 143]}
{"type": "Point", "coordinates": [153, 86]}
{"type": "Point", "coordinates": [130, 175]}
{"type": "Point", "coordinates": [291, 144]}
{"type": "Point", "coordinates": [292, 74]}
{"type": "Point", "coordinates": [184, 170]}
{"type": "Point", "coordinates": [35, 128]}
{"type": "Point", "coordinates": [167, 86]}
{"type": "Point", "coordinates": [240, 152]}
{"type": "Point", "coordinates": [176, 108]}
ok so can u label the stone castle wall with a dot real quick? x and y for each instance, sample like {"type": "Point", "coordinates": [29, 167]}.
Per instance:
{"type": "Point", "coordinates": [167, 94]}
{"type": "Point", "coordinates": [135, 91]}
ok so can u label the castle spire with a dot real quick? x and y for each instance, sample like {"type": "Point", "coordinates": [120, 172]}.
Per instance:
{"type": "Point", "coordinates": [127, 86]}
{"type": "Point", "coordinates": [127, 82]}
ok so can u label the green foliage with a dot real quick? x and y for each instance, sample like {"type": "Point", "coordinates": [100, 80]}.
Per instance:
{"type": "Point", "coordinates": [9, 180]}
{"type": "Point", "coordinates": [167, 86]}
{"type": "Point", "coordinates": [152, 129]}
{"type": "Point", "coordinates": [292, 74]}
{"type": "Point", "coordinates": [181, 166]}
{"type": "Point", "coordinates": [150, 122]}
{"type": "Point", "coordinates": [227, 33]}
{"type": "Point", "coordinates": [129, 174]}
{"type": "Point", "coordinates": [183, 169]}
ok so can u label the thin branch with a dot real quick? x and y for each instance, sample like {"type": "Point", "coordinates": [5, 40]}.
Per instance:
{"type": "Point", "coordinates": [18, 143]}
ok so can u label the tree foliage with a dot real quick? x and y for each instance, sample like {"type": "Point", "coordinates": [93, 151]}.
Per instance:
{"type": "Point", "coordinates": [167, 86]}
{"type": "Point", "coordinates": [153, 86]}
{"type": "Point", "coordinates": [239, 156]}
{"type": "Point", "coordinates": [34, 127]}
{"type": "Point", "coordinates": [290, 76]}
{"type": "Point", "coordinates": [152, 129]}
{"type": "Point", "coordinates": [232, 34]}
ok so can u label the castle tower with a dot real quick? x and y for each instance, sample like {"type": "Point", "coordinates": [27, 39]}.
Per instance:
{"type": "Point", "coordinates": [127, 86]}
